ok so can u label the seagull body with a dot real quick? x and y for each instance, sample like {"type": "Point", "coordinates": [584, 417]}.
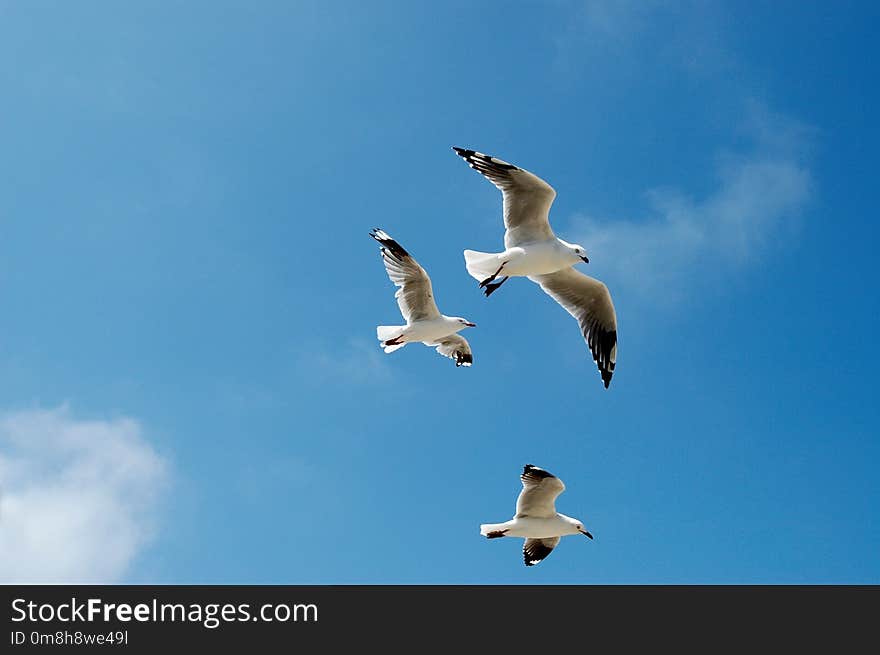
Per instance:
{"type": "Point", "coordinates": [531, 527]}
{"type": "Point", "coordinates": [428, 330]}
{"type": "Point", "coordinates": [536, 258]}
{"type": "Point", "coordinates": [415, 297]}
{"type": "Point", "coordinates": [532, 250]}
{"type": "Point", "coordinates": [536, 519]}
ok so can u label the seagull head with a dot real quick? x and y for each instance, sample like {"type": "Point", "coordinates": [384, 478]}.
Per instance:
{"type": "Point", "coordinates": [577, 251]}
{"type": "Point", "coordinates": [464, 321]}
{"type": "Point", "coordinates": [576, 525]}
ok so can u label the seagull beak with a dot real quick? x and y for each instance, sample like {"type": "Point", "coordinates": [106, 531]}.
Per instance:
{"type": "Point", "coordinates": [585, 533]}
{"type": "Point", "coordinates": [471, 324]}
{"type": "Point", "coordinates": [586, 259]}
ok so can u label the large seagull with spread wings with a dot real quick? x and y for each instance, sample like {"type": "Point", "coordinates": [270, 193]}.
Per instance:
{"type": "Point", "coordinates": [415, 297]}
{"type": "Point", "coordinates": [532, 250]}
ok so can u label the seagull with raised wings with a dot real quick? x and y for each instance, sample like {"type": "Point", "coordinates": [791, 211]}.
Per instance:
{"type": "Point", "coordinates": [536, 517]}
{"type": "Point", "coordinates": [415, 297]}
{"type": "Point", "coordinates": [532, 250]}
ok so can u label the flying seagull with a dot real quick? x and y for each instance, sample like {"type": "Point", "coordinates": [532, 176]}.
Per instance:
{"type": "Point", "coordinates": [536, 517]}
{"type": "Point", "coordinates": [424, 322]}
{"type": "Point", "coordinates": [533, 251]}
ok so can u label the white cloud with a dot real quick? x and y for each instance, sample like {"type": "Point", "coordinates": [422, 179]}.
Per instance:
{"type": "Point", "coordinates": [77, 497]}
{"type": "Point", "coordinates": [757, 199]}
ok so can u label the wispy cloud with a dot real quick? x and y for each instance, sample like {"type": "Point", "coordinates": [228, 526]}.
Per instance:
{"type": "Point", "coordinates": [613, 20]}
{"type": "Point", "coordinates": [756, 200]}
{"type": "Point", "coordinates": [355, 361]}
{"type": "Point", "coordinates": [627, 35]}
{"type": "Point", "coordinates": [77, 497]}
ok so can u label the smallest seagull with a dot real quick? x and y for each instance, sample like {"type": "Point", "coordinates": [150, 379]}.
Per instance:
{"type": "Point", "coordinates": [424, 322]}
{"type": "Point", "coordinates": [536, 517]}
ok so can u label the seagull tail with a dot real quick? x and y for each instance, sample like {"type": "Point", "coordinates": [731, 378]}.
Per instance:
{"type": "Point", "coordinates": [389, 335]}
{"type": "Point", "coordinates": [480, 265]}
{"type": "Point", "coordinates": [487, 528]}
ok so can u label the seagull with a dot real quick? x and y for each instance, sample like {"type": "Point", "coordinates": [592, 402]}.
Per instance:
{"type": "Point", "coordinates": [536, 517]}
{"type": "Point", "coordinates": [533, 251]}
{"type": "Point", "coordinates": [424, 322]}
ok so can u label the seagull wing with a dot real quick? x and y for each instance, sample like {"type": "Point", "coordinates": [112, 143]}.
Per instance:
{"type": "Point", "coordinates": [589, 301]}
{"type": "Point", "coordinates": [535, 550]}
{"type": "Point", "coordinates": [538, 496]}
{"type": "Point", "coordinates": [415, 296]}
{"type": "Point", "coordinates": [455, 347]}
{"type": "Point", "coordinates": [527, 198]}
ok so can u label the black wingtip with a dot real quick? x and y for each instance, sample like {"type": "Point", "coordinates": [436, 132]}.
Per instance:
{"type": "Point", "coordinates": [393, 247]}
{"type": "Point", "coordinates": [606, 374]}
{"type": "Point", "coordinates": [534, 551]}
{"type": "Point", "coordinates": [535, 471]}
{"type": "Point", "coordinates": [602, 344]}
{"type": "Point", "coordinates": [483, 163]}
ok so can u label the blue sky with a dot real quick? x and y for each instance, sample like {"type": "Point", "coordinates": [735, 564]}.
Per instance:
{"type": "Point", "coordinates": [190, 386]}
